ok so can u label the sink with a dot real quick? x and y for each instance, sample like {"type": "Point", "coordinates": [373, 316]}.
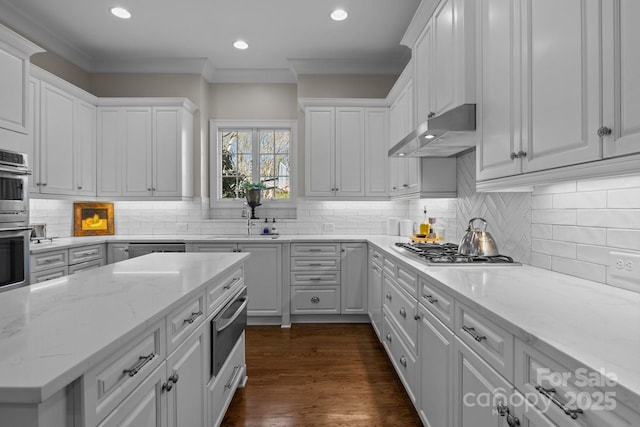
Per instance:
{"type": "Point", "coordinates": [243, 237]}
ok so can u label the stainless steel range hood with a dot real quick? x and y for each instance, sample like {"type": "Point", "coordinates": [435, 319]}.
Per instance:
{"type": "Point", "coordinates": [446, 135]}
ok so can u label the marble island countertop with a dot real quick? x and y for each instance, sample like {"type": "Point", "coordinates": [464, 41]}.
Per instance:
{"type": "Point", "coordinates": [52, 331]}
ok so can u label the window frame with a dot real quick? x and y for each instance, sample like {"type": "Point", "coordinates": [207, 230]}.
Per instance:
{"type": "Point", "coordinates": [215, 160]}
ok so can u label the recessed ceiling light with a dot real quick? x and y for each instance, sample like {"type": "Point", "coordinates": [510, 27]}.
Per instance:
{"type": "Point", "coordinates": [339, 15]}
{"type": "Point", "coordinates": [240, 44]}
{"type": "Point", "coordinates": [401, 154]}
{"type": "Point", "coordinates": [120, 12]}
{"type": "Point", "coordinates": [429, 136]}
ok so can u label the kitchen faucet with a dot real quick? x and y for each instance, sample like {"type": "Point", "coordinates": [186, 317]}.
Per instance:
{"type": "Point", "coordinates": [250, 224]}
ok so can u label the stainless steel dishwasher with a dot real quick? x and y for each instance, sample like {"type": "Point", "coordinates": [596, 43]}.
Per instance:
{"type": "Point", "coordinates": [139, 249]}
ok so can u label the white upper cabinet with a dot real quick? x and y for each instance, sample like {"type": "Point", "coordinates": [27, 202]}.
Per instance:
{"type": "Point", "coordinates": [445, 59]}
{"type": "Point", "coordinates": [621, 68]}
{"type": "Point", "coordinates": [62, 137]}
{"type": "Point", "coordinates": [145, 148]}
{"type": "Point", "coordinates": [346, 149]}
{"type": "Point", "coordinates": [561, 77]}
{"type": "Point", "coordinates": [558, 91]}
{"type": "Point", "coordinates": [15, 52]}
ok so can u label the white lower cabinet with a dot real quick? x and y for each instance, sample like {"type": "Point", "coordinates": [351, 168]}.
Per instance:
{"type": "Point", "coordinates": [374, 293]}
{"type": "Point", "coordinates": [402, 358]}
{"type": "Point", "coordinates": [221, 388]}
{"type": "Point", "coordinates": [263, 274]}
{"type": "Point", "coordinates": [186, 369]}
{"type": "Point", "coordinates": [436, 371]}
{"type": "Point", "coordinates": [479, 391]}
{"type": "Point", "coordinates": [61, 262]}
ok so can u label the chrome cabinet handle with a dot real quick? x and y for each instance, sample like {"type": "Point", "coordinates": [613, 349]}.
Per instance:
{"type": "Point", "coordinates": [513, 156]}
{"type": "Point", "coordinates": [148, 189]}
{"type": "Point", "coordinates": [230, 285]}
{"type": "Point", "coordinates": [431, 114]}
{"type": "Point", "coordinates": [389, 337]}
{"type": "Point", "coordinates": [549, 394]}
{"type": "Point", "coordinates": [142, 360]}
{"type": "Point", "coordinates": [44, 184]}
{"type": "Point", "coordinates": [430, 298]}
{"type": "Point", "coordinates": [315, 300]}
{"type": "Point", "coordinates": [236, 371]}
{"type": "Point", "coordinates": [314, 250]}
{"type": "Point", "coordinates": [315, 279]}
{"type": "Point", "coordinates": [49, 260]}
{"type": "Point", "coordinates": [403, 361]}
{"type": "Point", "coordinates": [473, 333]}
{"type": "Point", "coordinates": [315, 265]}
{"type": "Point", "coordinates": [388, 296]}
{"type": "Point", "coordinates": [604, 131]}
{"type": "Point", "coordinates": [502, 409]}
{"type": "Point", "coordinates": [173, 379]}
{"type": "Point", "coordinates": [403, 312]}
{"type": "Point", "coordinates": [522, 154]}
{"type": "Point", "coordinates": [79, 187]}
{"type": "Point", "coordinates": [194, 316]}
{"type": "Point", "coordinates": [416, 316]}
{"type": "Point", "coordinates": [86, 254]}
{"type": "Point", "coordinates": [125, 250]}
{"type": "Point", "coordinates": [405, 185]}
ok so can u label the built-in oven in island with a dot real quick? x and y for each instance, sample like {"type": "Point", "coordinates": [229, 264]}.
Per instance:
{"type": "Point", "coordinates": [226, 328]}
{"type": "Point", "coordinates": [14, 220]}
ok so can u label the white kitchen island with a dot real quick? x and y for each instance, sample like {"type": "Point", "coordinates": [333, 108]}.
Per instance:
{"type": "Point", "coordinates": [62, 342]}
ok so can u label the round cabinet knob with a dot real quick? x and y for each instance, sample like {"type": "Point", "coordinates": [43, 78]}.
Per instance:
{"type": "Point", "coordinates": [148, 189]}
{"type": "Point", "coordinates": [389, 337]}
{"type": "Point", "coordinates": [416, 317]}
{"type": "Point", "coordinates": [522, 154]}
{"type": "Point", "coordinates": [174, 378]}
{"type": "Point", "coordinates": [430, 115]}
{"type": "Point", "coordinates": [514, 156]}
{"type": "Point", "coordinates": [44, 184]}
{"type": "Point", "coordinates": [315, 300]}
{"type": "Point", "coordinates": [403, 312]}
{"type": "Point", "coordinates": [79, 187]}
{"type": "Point", "coordinates": [513, 421]}
{"type": "Point", "coordinates": [604, 131]}
{"type": "Point", "coordinates": [403, 361]}
{"type": "Point", "coordinates": [388, 296]}
{"type": "Point", "coordinates": [167, 386]}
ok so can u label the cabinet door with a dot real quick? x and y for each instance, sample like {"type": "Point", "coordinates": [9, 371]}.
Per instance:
{"type": "Point", "coordinates": [14, 69]}
{"type": "Point", "coordinates": [167, 152]}
{"type": "Point", "coordinates": [56, 141]}
{"type": "Point", "coordinates": [374, 298]}
{"type": "Point", "coordinates": [445, 49]}
{"type": "Point", "coordinates": [424, 72]}
{"type": "Point", "coordinates": [436, 365]}
{"type": "Point", "coordinates": [145, 406]}
{"type": "Point", "coordinates": [562, 101]}
{"type": "Point", "coordinates": [320, 151]}
{"type": "Point", "coordinates": [185, 400]}
{"type": "Point", "coordinates": [136, 152]}
{"type": "Point", "coordinates": [621, 68]}
{"type": "Point", "coordinates": [349, 156]}
{"type": "Point", "coordinates": [353, 278]}
{"type": "Point", "coordinates": [478, 389]}
{"type": "Point", "coordinates": [216, 247]}
{"type": "Point", "coordinates": [110, 134]}
{"type": "Point", "coordinates": [32, 139]}
{"type": "Point", "coordinates": [263, 276]}
{"type": "Point", "coordinates": [117, 252]}
{"type": "Point", "coordinates": [498, 80]}
{"type": "Point", "coordinates": [376, 137]}
{"type": "Point", "coordinates": [84, 144]}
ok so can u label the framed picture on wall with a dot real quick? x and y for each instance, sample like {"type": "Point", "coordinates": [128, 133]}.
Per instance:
{"type": "Point", "coordinates": [92, 219]}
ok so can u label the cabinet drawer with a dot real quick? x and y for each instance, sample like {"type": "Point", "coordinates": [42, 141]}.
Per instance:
{"type": "Point", "coordinates": [310, 278]}
{"type": "Point", "coordinates": [541, 377]}
{"type": "Point", "coordinates": [85, 253]}
{"type": "Point", "coordinates": [47, 260]}
{"type": "Point", "coordinates": [320, 300]}
{"type": "Point", "coordinates": [389, 266]}
{"type": "Point", "coordinates": [377, 257]}
{"type": "Point", "coordinates": [403, 359]}
{"type": "Point", "coordinates": [315, 249]}
{"type": "Point", "coordinates": [315, 263]}
{"type": "Point", "coordinates": [83, 266]}
{"type": "Point", "coordinates": [53, 273]}
{"type": "Point", "coordinates": [408, 280]}
{"type": "Point", "coordinates": [111, 381]}
{"type": "Point", "coordinates": [218, 292]}
{"type": "Point", "coordinates": [493, 343]}
{"type": "Point", "coordinates": [403, 310]}
{"type": "Point", "coordinates": [439, 303]}
{"type": "Point", "coordinates": [184, 320]}
{"type": "Point", "coordinates": [222, 388]}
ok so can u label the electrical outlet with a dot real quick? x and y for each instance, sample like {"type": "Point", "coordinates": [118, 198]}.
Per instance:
{"type": "Point", "coordinates": [182, 227]}
{"type": "Point", "coordinates": [624, 269]}
{"type": "Point", "coordinates": [328, 226]}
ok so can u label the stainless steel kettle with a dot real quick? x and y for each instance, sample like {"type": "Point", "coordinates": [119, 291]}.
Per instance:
{"type": "Point", "coordinates": [478, 241]}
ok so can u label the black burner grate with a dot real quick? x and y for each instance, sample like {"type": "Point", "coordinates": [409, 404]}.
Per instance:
{"type": "Point", "coordinates": [447, 253]}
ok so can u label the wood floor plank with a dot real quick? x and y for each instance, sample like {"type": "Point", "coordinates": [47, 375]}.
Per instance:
{"type": "Point", "coordinates": [318, 375]}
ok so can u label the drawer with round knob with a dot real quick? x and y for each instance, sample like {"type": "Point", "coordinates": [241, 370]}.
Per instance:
{"type": "Point", "coordinates": [401, 356]}
{"type": "Point", "coordinates": [312, 300]}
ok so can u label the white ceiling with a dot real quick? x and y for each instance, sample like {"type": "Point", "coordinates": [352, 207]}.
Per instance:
{"type": "Point", "coordinates": [286, 37]}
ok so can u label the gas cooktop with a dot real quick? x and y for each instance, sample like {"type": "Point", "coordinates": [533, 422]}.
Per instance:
{"type": "Point", "coordinates": [446, 254]}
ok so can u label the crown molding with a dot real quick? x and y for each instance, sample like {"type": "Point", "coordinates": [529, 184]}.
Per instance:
{"type": "Point", "coordinates": [268, 75]}
{"type": "Point", "coordinates": [344, 66]}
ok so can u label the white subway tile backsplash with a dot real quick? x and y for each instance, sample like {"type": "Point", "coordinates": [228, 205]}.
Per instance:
{"type": "Point", "coordinates": [589, 200]}
{"type": "Point", "coordinates": [541, 260]}
{"type": "Point", "coordinates": [588, 235]}
{"type": "Point", "coordinates": [542, 202]}
{"type": "Point", "coordinates": [625, 199]}
{"type": "Point", "coordinates": [547, 216]}
{"type": "Point", "coordinates": [585, 270]}
{"type": "Point", "coordinates": [542, 231]}
{"type": "Point", "coordinates": [554, 248]}
{"type": "Point", "coordinates": [618, 218]}
{"type": "Point", "coordinates": [624, 239]}
{"type": "Point", "coordinates": [566, 187]}
{"type": "Point", "coordinates": [632, 181]}
{"type": "Point", "coordinates": [594, 254]}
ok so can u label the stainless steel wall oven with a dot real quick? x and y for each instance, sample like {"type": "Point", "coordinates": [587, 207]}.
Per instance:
{"type": "Point", "coordinates": [14, 220]}
{"type": "Point", "coordinates": [226, 328]}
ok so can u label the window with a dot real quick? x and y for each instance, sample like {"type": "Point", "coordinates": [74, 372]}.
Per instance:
{"type": "Point", "coordinates": [253, 152]}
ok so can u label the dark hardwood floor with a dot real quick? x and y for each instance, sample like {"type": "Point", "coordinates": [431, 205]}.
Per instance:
{"type": "Point", "coordinates": [319, 375]}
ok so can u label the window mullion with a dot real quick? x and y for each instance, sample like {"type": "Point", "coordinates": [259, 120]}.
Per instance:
{"type": "Point", "coordinates": [255, 162]}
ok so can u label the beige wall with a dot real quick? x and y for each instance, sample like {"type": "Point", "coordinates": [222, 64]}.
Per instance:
{"type": "Point", "coordinates": [344, 86]}
{"type": "Point", "coordinates": [62, 68]}
{"type": "Point", "coordinates": [253, 101]}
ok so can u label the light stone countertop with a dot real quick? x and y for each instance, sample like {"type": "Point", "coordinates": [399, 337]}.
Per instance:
{"type": "Point", "coordinates": [594, 324]}
{"type": "Point", "coordinates": [51, 332]}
